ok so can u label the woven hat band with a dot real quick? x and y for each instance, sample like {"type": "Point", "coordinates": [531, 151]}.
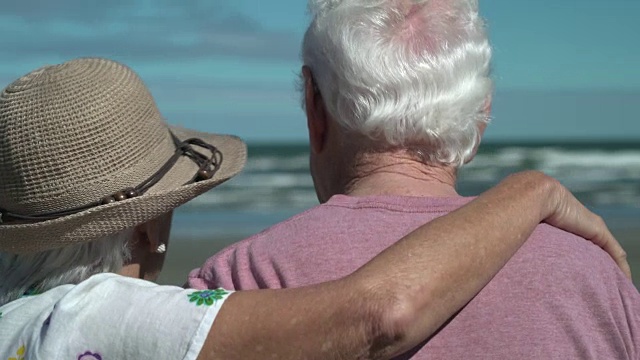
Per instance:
{"type": "Point", "coordinates": [207, 165]}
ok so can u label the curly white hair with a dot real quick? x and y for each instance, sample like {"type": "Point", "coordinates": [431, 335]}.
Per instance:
{"type": "Point", "coordinates": [408, 73]}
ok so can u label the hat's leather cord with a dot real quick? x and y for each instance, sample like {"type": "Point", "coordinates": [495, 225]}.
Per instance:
{"type": "Point", "coordinates": [207, 167]}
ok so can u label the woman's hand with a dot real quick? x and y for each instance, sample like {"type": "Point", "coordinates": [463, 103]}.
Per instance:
{"type": "Point", "coordinates": [564, 211]}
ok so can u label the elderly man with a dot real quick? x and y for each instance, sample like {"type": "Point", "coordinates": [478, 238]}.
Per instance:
{"type": "Point", "coordinates": [397, 96]}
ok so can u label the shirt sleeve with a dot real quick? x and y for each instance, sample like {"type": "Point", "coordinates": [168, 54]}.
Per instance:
{"type": "Point", "coordinates": [113, 317]}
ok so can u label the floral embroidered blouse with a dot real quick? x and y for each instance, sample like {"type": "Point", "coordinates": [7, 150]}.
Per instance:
{"type": "Point", "coordinates": [109, 317]}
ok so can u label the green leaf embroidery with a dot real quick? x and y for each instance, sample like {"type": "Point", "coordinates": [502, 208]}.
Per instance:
{"type": "Point", "coordinates": [207, 297]}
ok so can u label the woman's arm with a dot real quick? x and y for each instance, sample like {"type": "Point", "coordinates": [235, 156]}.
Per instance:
{"type": "Point", "coordinates": [401, 297]}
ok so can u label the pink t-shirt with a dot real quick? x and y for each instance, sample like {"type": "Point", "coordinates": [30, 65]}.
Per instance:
{"type": "Point", "coordinates": [559, 297]}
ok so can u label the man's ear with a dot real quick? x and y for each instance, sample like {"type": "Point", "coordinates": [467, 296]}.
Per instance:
{"type": "Point", "coordinates": [316, 112]}
{"type": "Point", "coordinates": [488, 105]}
{"type": "Point", "coordinates": [487, 112]}
{"type": "Point", "coordinates": [481, 129]}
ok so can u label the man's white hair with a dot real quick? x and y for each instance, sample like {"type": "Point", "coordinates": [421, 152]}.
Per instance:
{"type": "Point", "coordinates": [413, 74]}
{"type": "Point", "coordinates": [23, 274]}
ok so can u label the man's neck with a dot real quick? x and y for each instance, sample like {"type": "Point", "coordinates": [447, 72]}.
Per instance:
{"type": "Point", "coordinates": [399, 174]}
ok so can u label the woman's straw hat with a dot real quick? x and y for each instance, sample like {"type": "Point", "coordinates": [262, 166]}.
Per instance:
{"type": "Point", "coordinates": [85, 153]}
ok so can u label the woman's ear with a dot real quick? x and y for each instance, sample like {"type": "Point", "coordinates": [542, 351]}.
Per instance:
{"type": "Point", "coordinates": [154, 240]}
{"type": "Point", "coordinates": [145, 239]}
{"type": "Point", "coordinates": [158, 231]}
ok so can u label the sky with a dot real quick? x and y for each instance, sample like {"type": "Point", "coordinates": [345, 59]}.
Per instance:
{"type": "Point", "coordinates": [564, 69]}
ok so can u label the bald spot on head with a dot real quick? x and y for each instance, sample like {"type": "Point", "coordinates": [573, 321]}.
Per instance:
{"type": "Point", "coordinates": [424, 24]}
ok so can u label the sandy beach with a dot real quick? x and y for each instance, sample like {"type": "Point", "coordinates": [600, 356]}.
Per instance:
{"type": "Point", "coordinates": [188, 253]}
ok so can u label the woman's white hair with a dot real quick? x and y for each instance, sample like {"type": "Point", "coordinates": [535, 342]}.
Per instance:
{"type": "Point", "coordinates": [410, 73]}
{"type": "Point", "coordinates": [35, 273]}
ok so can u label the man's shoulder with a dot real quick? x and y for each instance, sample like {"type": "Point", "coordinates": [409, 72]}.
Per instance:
{"type": "Point", "coordinates": [555, 243]}
{"type": "Point", "coordinates": [343, 233]}
{"type": "Point", "coordinates": [280, 231]}
{"type": "Point", "coordinates": [357, 214]}
{"type": "Point", "coordinates": [559, 295]}
{"type": "Point", "coordinates": [556, 260]}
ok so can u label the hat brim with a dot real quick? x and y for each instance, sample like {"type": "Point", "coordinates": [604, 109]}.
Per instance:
{"type": "Point", "coordinates": [104, 220]}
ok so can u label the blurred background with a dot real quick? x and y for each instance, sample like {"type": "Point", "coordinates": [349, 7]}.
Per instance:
{"type": "Point", "coordinates": [567, 100]}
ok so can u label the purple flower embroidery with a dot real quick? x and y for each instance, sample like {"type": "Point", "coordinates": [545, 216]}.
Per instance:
{"type": "Point", "coordinates": [90, 356]}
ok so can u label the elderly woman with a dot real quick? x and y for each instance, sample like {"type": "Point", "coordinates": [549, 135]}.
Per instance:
{"type": "Point", "coordinates": [89, 176]}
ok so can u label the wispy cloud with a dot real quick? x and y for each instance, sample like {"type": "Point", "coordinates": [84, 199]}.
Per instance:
{"type": "Point", "coordinates": [202, 59]}
{"type": "Point", "coordinates": [230, 65]}
{"type": "Point", "coordinates": [138, 30]}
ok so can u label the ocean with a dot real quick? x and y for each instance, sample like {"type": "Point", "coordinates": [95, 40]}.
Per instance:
{"type": "Point", "coordinates": [276, 184]}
